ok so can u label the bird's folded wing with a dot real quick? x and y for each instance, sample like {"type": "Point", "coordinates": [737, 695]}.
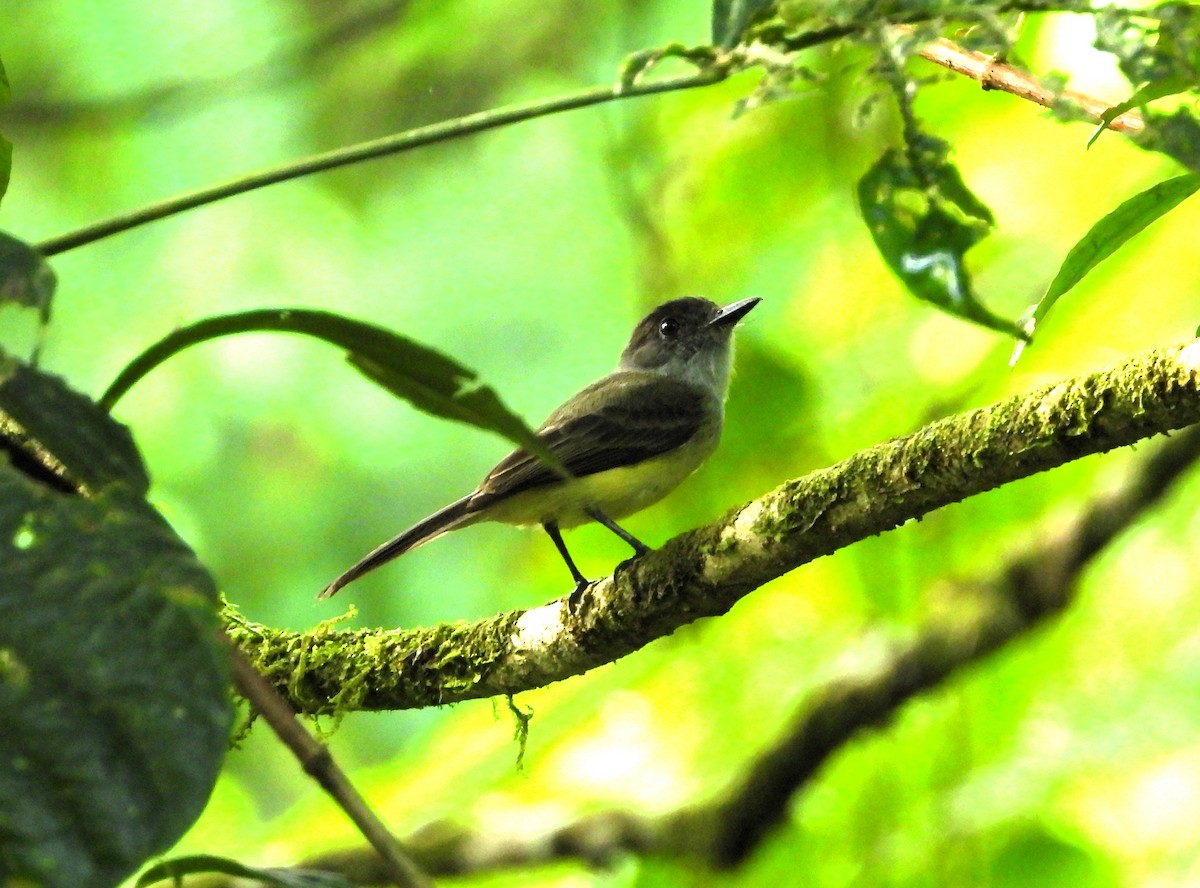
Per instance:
{"type": "Point", "coordinates": [630, 417]}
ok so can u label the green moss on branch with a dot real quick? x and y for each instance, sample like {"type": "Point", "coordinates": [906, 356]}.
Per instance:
{"type": "Point", "coordinates": [705, 571]}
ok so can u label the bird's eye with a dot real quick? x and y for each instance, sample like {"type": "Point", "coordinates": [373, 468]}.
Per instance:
{"type": "Point", "coordinates": [669, 328]}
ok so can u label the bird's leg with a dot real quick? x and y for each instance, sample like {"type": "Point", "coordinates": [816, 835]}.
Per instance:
{"type": "Point", "coordinates": [581, 582]}
{"type": "Point", "coordinates": [596, 515]}
{"type": "Point", "coordinates": [639, 548]}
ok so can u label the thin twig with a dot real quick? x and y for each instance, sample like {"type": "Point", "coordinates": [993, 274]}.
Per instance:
{"type": "Point", "coordinates": [990, 73]}
{"type": "Point", "coordinates": [994, 74]}
{"type": "Point", "coordinates": [318, 762]}
{"type": "Point", "coordinates": [393, 144]}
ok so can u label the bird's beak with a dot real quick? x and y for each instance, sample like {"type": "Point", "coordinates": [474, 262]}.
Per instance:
{"type": "Point", "coordinates": [734, 312]}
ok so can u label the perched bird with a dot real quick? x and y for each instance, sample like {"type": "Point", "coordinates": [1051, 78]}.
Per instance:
{"type": "Point", "coordinates": [627, 440]}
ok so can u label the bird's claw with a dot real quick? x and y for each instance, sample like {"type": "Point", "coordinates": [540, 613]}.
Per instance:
{"type": "Point", "coordinates": [576, 596]}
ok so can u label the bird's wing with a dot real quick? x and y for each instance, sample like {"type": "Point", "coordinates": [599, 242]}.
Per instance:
{"type": "Point", "coordinates": [631, 417]}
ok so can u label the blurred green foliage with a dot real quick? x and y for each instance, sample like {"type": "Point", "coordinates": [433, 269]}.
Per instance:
{"type": "Point", "coordinates": [528, 254]}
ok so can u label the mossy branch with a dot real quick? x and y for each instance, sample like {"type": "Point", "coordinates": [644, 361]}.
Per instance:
{"type": "Point", "coordinates": [704, 572]}
{"type": "Point", "coordinates": [970, 618]}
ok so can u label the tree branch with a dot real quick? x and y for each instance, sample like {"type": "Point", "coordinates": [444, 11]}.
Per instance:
{"type": "Point", "coordinates": [704, 572]}
{"type": "Point", "coordinates": [991, 73]}
{"type": "Point", "coordinates": [976, 618]}
{"type": "Point", "coordinates": [980, 615]}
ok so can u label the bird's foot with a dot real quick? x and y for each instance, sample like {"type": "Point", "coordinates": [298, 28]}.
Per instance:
{"type": "Point", "coordinates": [576, 597]}
{"type": "Point", "coordinates": [624, 564]}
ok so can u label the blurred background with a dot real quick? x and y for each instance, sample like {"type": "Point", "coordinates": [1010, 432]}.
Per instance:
{"type": "Point", "coordinates": [528, 254]}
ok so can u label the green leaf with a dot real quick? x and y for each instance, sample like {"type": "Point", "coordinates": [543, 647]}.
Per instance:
{"type": "Point", "coordinates": [60, 437]}
{"type": "Point", "coordinates": [179, 867]}
{"type": "Point", "coordinates": [1056, 859]}
{"type": "Point", "coordinates": [923, 219]}
{"type": "Point", "coordinates": [5, 165]}
{"type": "Point", "coordinates": [114, 689]}
{"type": "Point", "coordinates": [731, 18]}
{"type": "Point", "coordinates": [479, 406]}
{"type": "Point", "coordinates": [427, 379]}
{"type": "Point", "coordinates": [1111, 232]}
{"type": "Point", "coordinates": [1148, 93]}
{"type": "Point", "coordinates": [5, 145]}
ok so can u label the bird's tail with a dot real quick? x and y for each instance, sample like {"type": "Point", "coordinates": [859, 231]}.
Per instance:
{"type": "Point", "coordinates": [452, 516]}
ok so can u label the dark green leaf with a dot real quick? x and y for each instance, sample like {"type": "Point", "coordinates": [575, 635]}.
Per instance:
{"type": "Point", "coordinates": [924, 219]}
{"type": "Point", "coordinates": [476, 405]}
{"type": "Point", "coordinates": [1111, 232]}
{"type": "Point", "coordinates": [60, 437]}
{"type": "Point", "coordinates": [1056, 860]}
{"type": "Point", "coordinates": [731, 18]}
{"type": "Point", "coordinates": [25, 276]}
{"type": "Point", "coordinates": [426, 378]}
{"type": "Point", "coordinates": [207, 863]}
{"type": "Point", "coordinates": [114, 690]}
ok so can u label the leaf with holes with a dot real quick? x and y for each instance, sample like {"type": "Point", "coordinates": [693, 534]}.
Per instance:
{"type": "Point", "coordinates": [924, 219]}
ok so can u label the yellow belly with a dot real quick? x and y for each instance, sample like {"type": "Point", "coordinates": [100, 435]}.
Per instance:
{"type": "Point", "coordinates": [616, 492]}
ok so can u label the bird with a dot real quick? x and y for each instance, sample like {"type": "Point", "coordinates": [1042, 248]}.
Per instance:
{"type": "Point", "coordinates": [626, 440]}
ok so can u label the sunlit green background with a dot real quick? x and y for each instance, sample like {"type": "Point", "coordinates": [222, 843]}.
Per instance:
{"type": "Point", "coordinates": [528, 253]}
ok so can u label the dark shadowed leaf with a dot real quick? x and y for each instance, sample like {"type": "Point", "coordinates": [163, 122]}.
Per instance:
{"type": "Point", "coordinates": [427, 379]}
{"type": "Point", "coordinates": [25, 277]}
{"type": "Point", "coordinates": [114, 689]}
{"type": "Point", "coordinates": [1176, 134]}
{"type": "Point", "coordinates": [924, 219]}
{"type": "Point", "coordinates": [206, 863]}
{"type": "Point", "coordinates": [730, 18]}
{"type": "Point", "coordinates": [59, 436]}
{"type": "Point", "coordinates": [1111, 232]}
